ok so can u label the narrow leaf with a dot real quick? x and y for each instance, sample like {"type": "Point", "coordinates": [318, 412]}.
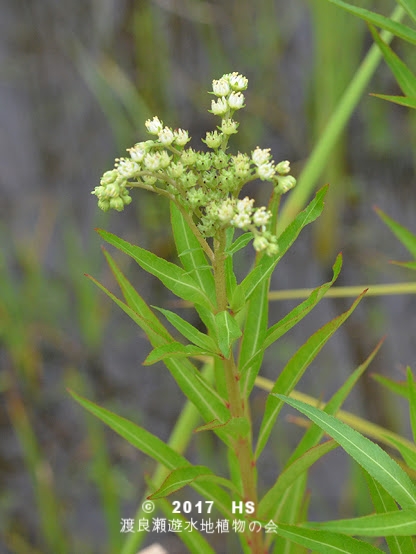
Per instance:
{"type": "Point", "coordinates": [407, 238]}
{"type": "Point", "coordinates": [368, 454]}
{"type": "Point", "coordinates": [179, 478]}
{"type": "Point", "coordinates": [294, 370]}
{"type": "Point", "coordinates": [189, 331]}
{"type": "Point", "coordinates": [155, 448]}
{"type": "Point", "coordinates": [404, 77]}
{"type": "Point", "coordinates": [289, 476]}
{"type": "Point", "coordinates": [172, 276]}
{"type": "Point", "coordinates": [383, 503]}
{"type": "Point", "coordinates": [173, 350]}
{"type": "Point", "coordinates": [401, 100]}
{"type": "Point", "coordinates": [267, 264]}
{"type": "Point", "coordinates": [207, 401]}
{"type": "Point", "coordinates": [325, 542]}
{"type": "Point", "coordinates": [303, 309]}
{"type": "Point", "coordinates": [314, 434]}
{"type": "Point", "coordinates": [410, 7]}
{"type": "Point", "coordinates": [228, 331]}
{"type": "Point", "coordinates": [239, 243]}
{"type": "Point", "coordinates": [399, 523]}
{"type": "Point", "coordinates": [191, 253]}
{"type": "Point", "coordinates": [252, 349]}
{"type": "Point", "coordinates": [398, 29]}
{"type": "Point", "coordinates": [412, 401]}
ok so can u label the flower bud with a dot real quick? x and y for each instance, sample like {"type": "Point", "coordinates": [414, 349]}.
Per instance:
{"type": "Point", "coordinates": [236, 100]}
{"type": "Point", "coordinates": [229, 126]}
{"type": "Point", "coordinates": [219, 107]}
{"type": "Point", "coordinates": [213, 140]}
{"type": "Point", "coordinates": [285, 183]}
{"type": "Point", "coordinates": [181, 137]}
{"type": "Point", "coordinates": [260, 155]}
{"type": "Point", "coordinates": [154, 126]}
{"type": "Point", "coordinates": [283, 168]}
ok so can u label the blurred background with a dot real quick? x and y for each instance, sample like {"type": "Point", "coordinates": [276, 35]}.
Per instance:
{"type": "Point", "coordinates": [77, 81]}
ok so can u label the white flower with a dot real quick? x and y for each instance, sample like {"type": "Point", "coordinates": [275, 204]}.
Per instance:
{"type": "Point", "coordinates": [226, 211]}
{"type": "Point", "coordinates": [261, 217]}
{"type": "Point", "coordinates": [245, 205]}
{"type": "Point", "coordinates": [241, 220]}
{"type": "Point", "coordinates": [266, 171]}
{"type": "Point", "coordinates": [260, 243]}
{"type": "Point", "coordinates": [236, 100]}
{"type": "Point", "coordinates": [154, 126]}
{"type": "Point", "coordinates": [220, 87]}
{"type": "Point", "coordinates": [127, 168]}
{"type": "Point", "coordinates": [213, 140]}
{"type": "Point", "coordinates": [219, 107]}
{"type": "Point", "coordinates": [237, 82]}
{"type": "Point", "coordinates": [152, 161]}
{"type": "Point", "coordinates": [260, 155]}
{"type": "Point", "coordinates": [166, 136]}
{"type": "Point", "coordinates": [138, 151]}
{"type": "Point", "coordinates": [229, 126]}
{"type": "Point", "coordinates": [181, 137]}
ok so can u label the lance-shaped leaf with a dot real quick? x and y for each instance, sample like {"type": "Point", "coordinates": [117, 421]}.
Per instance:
{"type": "Point", "coordinates": [407, 238]}
{"type": "Point", "coordinates": [172, 276]}
{"type": "Point", "coordinates": [400, 100]}
{"type": "Point", "coordinates": [398, 523]}
{"type": "Point", "coordinates": [404, 77]}
{"type": "Point", "coordinates": [239, 243]}
{"type": "Point", "coordinates": [189, 331]}
{"type": "Point", "coordinates": [314, 434]}
{"type": "Point", "coordinates": [384, 503]}
{"type": "Point", "coordinates": [228, 331]}
{"type": "Point", "coordinates": [368, 454]}
{"type": "Point", "coordinates": [183, 476]}
{"type": "Point", "coordinates": [267, 264]}
{"type": "Point", "coordinates": [398, 29]}
{"type": "Point", "coordinates": [208, 402]}
{"type": "Point", "coordinates": [252, 350]}
{"type": "Point", "coordinates": [174, 350]}
{"type": "Point", "coordinates": [294, 370]}
{"type": "Point", "coordinates": [410, 7]}
{"type": "Point", "coordinates": [303, 309]}
{"type": "Point", "coordinates": [285, 480]}
{"type": "Point", "coordinates": [191, 253]}
{"type": "Point", "coordinates": [325, 542]}
{"type": "Point", "coordinates": [154, 447]}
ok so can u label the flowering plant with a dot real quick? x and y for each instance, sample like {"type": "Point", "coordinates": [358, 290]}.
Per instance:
{"type": "Point", "coordinates": [217, 370]}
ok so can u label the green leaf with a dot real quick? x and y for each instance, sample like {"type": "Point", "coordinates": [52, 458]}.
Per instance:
{"type": "Point", "coordinates": [230, 278]}
{"type": "Point", "coordinates": [189, 331]}
{"type": "Point", "coordinates": [398, 523]}
{"type": "Point", "coordinates": [252, 349]}
{"type": "Point", "coordinates": [393, 386]}
{"type": "Point", "coordinates": [404, 77]}
{"type": "Point", "coordinates": [172, 276]}
{"type": "Point", "coordinates": [410, 7]}
{"type": "Point", "coordinates": [407, 238]}
{"type": "Point", "coordinates": [155, 448]}
{"type": "Point", "coordinates": [383, 503]}
{"type": "Point", "coordinates": [228, 332]}
{"type": "Point", "coordinates": [369, 455]}
{"type": "Point", "coordinates": [303, 309]}
{"type": "Point", "coordinates": [314, 434]}
{"type": "Point", "coordinates": [267, 264]}
{"type": "Point", "coordinates": [401, 100]}
{"type": "Point", "coordinates": [402, 31]}
{"type": "Point", "coordinates": [294, 370]}
{"type": "Point", "coordinates": [273, 496]}
{"type": "Point", "coordinates": [239, 243]}
{"type": "Point", "coordinates": [325, 542]}
{"type": "Point", "coordinates": [206, 400]}
{"type": "Point", "coordinates": [173, 350]}
{"type": "Point", "coordinates": [191, 253]}
{"type": "Point", "coordinates": [408, 454]}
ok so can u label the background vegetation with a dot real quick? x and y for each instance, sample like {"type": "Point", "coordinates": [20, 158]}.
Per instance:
{"type": "Point", "coordinates": [76, 87]}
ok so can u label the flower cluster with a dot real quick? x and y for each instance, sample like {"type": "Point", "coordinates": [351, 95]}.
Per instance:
{"type": "Point", "coordinates": [203, 184]}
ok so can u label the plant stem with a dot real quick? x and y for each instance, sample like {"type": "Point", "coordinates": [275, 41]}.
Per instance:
{"type": "Point", "coordinates": [236, 403]}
